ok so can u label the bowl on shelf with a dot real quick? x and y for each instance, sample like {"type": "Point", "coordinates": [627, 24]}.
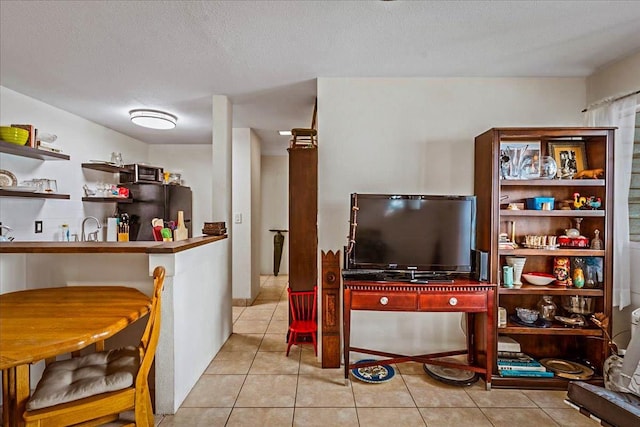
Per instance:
{"type": "Point", "coordinates": [527, 315]}
{"type": "Point", "coordinates": [13, 135]}
{"type": "Point", "coordinates": [539, 279]}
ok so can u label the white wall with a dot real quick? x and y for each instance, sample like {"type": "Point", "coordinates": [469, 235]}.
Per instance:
{"type": "Point", "coordinates": [416, 136]}
{"type": "Point", "coordinates": [613, 80]}
{"type": "Point", "coordinates": [275, 211]}
{"type": "Point", "coordinates": [193, 161]}
{"type": "Point", "coordinates": [83, 140]}
{"type": "Point", "coordinates": [246, 215]}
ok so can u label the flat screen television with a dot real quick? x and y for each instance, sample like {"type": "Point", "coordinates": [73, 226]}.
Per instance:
{"type": "Point", "coordinates": [417, 234]}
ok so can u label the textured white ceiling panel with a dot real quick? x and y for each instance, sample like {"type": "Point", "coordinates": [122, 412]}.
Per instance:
{"type": "Point", "coordinates": [99, 59]}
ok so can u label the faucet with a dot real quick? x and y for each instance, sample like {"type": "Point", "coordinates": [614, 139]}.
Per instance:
{"type": "Point", "coordinates": [93, 236]}
{"type": "Point", "coordinates": [4, 238]}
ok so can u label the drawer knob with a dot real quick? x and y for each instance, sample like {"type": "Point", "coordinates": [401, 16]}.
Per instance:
{"type": "Point", "coordinates": [453, 301]}
{"type": "Point", "coordinates": [384, 300]}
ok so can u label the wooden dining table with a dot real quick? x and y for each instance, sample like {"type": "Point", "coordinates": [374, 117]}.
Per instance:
{"type": "Point", "coordinates": [37, 324]}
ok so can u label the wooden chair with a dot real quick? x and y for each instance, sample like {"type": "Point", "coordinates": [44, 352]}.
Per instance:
{"type": "Point", "coordinates": [61, 397]}
{"type": "Point", "coordinates": [303, 307]}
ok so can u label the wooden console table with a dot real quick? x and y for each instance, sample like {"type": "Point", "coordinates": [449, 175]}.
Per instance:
{"type": "Point", "coordinates": [477, 299]}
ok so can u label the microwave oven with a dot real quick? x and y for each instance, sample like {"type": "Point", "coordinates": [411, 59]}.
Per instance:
{"type": "Point", "coordinates": [139, 173]}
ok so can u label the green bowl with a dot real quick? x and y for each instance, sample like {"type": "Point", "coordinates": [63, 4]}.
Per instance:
{"type": "Point", "coordinates": [14, 135]}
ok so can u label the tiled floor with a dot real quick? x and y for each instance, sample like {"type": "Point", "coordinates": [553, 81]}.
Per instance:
{"type": "Point", "coordinates": [252, 383]}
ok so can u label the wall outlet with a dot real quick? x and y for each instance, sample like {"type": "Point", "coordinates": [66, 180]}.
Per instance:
{"type": "Point", "coordinates": [237, 218]}
{"type": "Point", "coordinates": [38, 227]}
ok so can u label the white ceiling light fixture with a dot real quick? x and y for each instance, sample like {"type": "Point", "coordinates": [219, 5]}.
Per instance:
{"type": "Point", "coordinates": [153, 119]}
{"type": "Point", "coordinates": [285, 132]}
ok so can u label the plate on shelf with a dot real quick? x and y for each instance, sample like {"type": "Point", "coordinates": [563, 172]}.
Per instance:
{"type": "Point", "coordinates": [102, 162]}
{"type": "Point", "coordinates": [453, 376]}
{"type": "Point", "coordinates": [567, 369]}
{"type": "Point", "coordinates": [24, 188]}
{"type": "Point", "coordinates": [571, 321]}
{"type": "Point", "coordinates": [7, 179]}
{"type": "Point", "coordinates": [540, 323]}
{"type": "Point", "coordinates": [373, 374]}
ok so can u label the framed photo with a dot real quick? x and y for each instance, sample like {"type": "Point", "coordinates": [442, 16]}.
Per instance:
{"type": "Point", "coordinates": [519, 160]}
{"type": "Point", "coordinates": [570, 156]}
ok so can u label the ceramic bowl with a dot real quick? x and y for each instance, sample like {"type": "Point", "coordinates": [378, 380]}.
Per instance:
{"type": "Point", "coordinates": [14, 135]}
{"type": "Point", "coordinates": [539, 279]}
{"type": "Point", "coordinates": [527, 315]}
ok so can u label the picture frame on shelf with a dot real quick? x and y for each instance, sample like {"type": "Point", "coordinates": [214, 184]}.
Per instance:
{"type": "Point", "coordinates": [519, 160]}
{"type": "Point", "coordinates": [570, 156]}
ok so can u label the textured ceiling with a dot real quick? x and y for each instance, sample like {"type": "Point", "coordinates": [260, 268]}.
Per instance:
{"type": "Point", "coordinates": [100, 59]}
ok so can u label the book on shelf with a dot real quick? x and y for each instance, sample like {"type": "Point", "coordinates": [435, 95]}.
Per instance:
{"type": "Point", "coordinates": [506, 343]}
{"type": "Point", "coordinates": [525, 364]}
{"type": "Point", "coordinates": [523, 374]}
{"type": "Point", "coordinates": [514, 355]}
{"type": "Point", "coordinates": [521, 368]}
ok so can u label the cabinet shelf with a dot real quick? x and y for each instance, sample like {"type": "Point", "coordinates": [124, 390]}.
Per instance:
{"type": "Point", "coordinates": [32, 195]}
{"type": "Point", "coordinates": [550, 290]}
{"type": "Point", "coordinates": [34, 153]}
{"type": "Point", "coordinates": [553, 183]}
{"type": "Point", "coordinates": [103, 167]}
{"type": "Point", "coordinates": [107, 199]}
{"type": "Point", "coordinates": [554, 213]}
{"type": "Point", "coordinates": [514, 329]}
{"type": "Point", "coordinates": [538, 383]}
{"type": "Point", "coordinates": [552, 252]}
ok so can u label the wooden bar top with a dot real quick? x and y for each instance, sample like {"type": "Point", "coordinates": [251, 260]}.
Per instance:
{"type": "Point", "coordinates": [147, 247]}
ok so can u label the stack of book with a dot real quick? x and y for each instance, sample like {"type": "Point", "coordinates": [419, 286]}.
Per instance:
{"type": "Point", "coordinates": [522, 366]}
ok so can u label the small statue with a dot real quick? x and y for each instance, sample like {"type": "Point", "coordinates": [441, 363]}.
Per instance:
{"type": "Point", "coordinates": [589, 174]}
{"type": "Point", "coordinates": [596, 242]}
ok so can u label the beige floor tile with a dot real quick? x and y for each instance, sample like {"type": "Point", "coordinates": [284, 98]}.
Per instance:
{"type": "Point", "coordinates": [428, 393]}
{"type": "Point", "coordinates": [410, 368]}
{"type": "Point", "coordinates": [236, 312]}
{"type": "Point", "coordinates": [263, 417]}
{"type": "Point", "coordinates": [324, 390]}
{"type": "Point", "coordinates": [391, 394]}
{"type": "Point", "coordinates": [323, 417]}
{"type": "Point", "coordinates": [569, 417]}
{"type": "Point", "coordinates": [270, 294]}
{"type": "Point", "coordinates": [309, 363]}
{"type": "Point", "coordinates": [262, 304]}
{"type": "Point", "coordinates": [243, 342]}
{"type": "Point", "coordinates": [501, 399]}
{"type": "Point", "coordinates": [455, 417]}
{"type": "Point", "coordinates": [281, 312]}
{"type": "Point", "coordinates": [274, 342]}
{"type": "Point", "coordinates": [385, 417]}
{"type": "Point", "coordinates": [275, 362]}
{"type": "Point", "coordinates": [250, 313]}
{"type": "Point", "coordinates": [521, 417]}
{"type": "Point", "coordinates": [197, 417]}
{"type": "Point", "coordinates": [278, 327]}
{"type": "Point", "coordinates": [547, 398]}
{"type": "Point", "coordinates": [215, 391]}
{"type": "Point", "coordinates": [231, 362]}
{"type": "Point", "coordinates": [268, 391]}
{"type": "Point", "coordinates": [250, 326]}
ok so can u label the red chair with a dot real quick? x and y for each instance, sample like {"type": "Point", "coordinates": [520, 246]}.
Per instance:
{"type": "Point", "coordinates": [304, 320]}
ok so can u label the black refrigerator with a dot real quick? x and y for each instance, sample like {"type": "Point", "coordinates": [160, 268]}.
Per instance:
{"type": "Point", "coordinates": [155, 201]}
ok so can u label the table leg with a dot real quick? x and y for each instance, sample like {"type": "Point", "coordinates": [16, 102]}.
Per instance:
{"type": "Point", "coordinates": [346, 324]}
{"type": "Point", "coordinates": [15, 393]}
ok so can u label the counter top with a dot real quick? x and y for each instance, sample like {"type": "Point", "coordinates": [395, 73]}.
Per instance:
{"type": "Point", "coordinates": [148, 247]}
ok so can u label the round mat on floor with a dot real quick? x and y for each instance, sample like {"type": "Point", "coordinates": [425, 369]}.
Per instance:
{"type": "Point", "coordinates": [452, 376]}
{"type": "Point", "coordinates": [373, 374]}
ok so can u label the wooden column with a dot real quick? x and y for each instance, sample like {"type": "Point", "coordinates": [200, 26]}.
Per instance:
{"type": "Point", "coordinates": [331, 309]}
{"type": "Point", "coordinates": [303, 210]}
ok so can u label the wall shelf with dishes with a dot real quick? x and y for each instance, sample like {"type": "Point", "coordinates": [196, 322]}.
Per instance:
{"type": "Point", "coordinates": [32, 194]}
{"type": "Point", "coordinates": [34, 153]}
{"type": "Point", "coordinates": [551, 222]}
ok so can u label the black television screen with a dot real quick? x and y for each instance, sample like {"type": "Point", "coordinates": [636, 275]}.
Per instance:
{"type": "Point", "coordinates": [423, 233]}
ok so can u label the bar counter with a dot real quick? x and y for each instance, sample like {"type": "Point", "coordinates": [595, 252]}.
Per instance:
{"type": "Point", "coordinates": [196, 303]}
{"type": "Point", "coordinates": [148, 247]}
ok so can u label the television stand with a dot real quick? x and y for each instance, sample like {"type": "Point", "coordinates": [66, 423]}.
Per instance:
{"type": "Point", "coordinates": [418, 277]}
{"type": "Point", "coordinates": [463, 295]}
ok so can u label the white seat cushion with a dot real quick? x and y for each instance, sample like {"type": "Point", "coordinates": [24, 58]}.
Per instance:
{"type": "Point", "coordinates": [80, 377]}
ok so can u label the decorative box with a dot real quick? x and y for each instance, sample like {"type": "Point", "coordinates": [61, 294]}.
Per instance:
{"type": "Point", "coordinates": [536, 203]}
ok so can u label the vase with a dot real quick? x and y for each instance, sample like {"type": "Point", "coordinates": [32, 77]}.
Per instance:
{"type": "Point", "coordinates": [547, 308]}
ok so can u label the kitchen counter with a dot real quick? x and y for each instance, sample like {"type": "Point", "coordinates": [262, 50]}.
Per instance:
{"type": "Point", "coordinates": [148, 247]}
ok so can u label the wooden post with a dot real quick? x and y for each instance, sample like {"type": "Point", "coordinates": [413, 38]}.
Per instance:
{"type": "Point", "coordinates": [331, 309]}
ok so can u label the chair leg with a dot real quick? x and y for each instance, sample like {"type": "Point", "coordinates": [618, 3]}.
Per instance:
{"type": "Point", "coordinates": [292, 338]}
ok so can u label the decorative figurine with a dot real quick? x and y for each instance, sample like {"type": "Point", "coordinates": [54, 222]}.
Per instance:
{"type": "Point", "coordinates": [561, 269]}
{"type": "Point", "coordinates": [584, 203]}
{"type": "Point", "coordinates": [590, 174]}
{"type": "Point", "coordinates": [596, 242]}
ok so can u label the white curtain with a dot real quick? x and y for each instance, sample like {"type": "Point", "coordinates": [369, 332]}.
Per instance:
{"type": "Point", "coordinates": [621, 114]}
